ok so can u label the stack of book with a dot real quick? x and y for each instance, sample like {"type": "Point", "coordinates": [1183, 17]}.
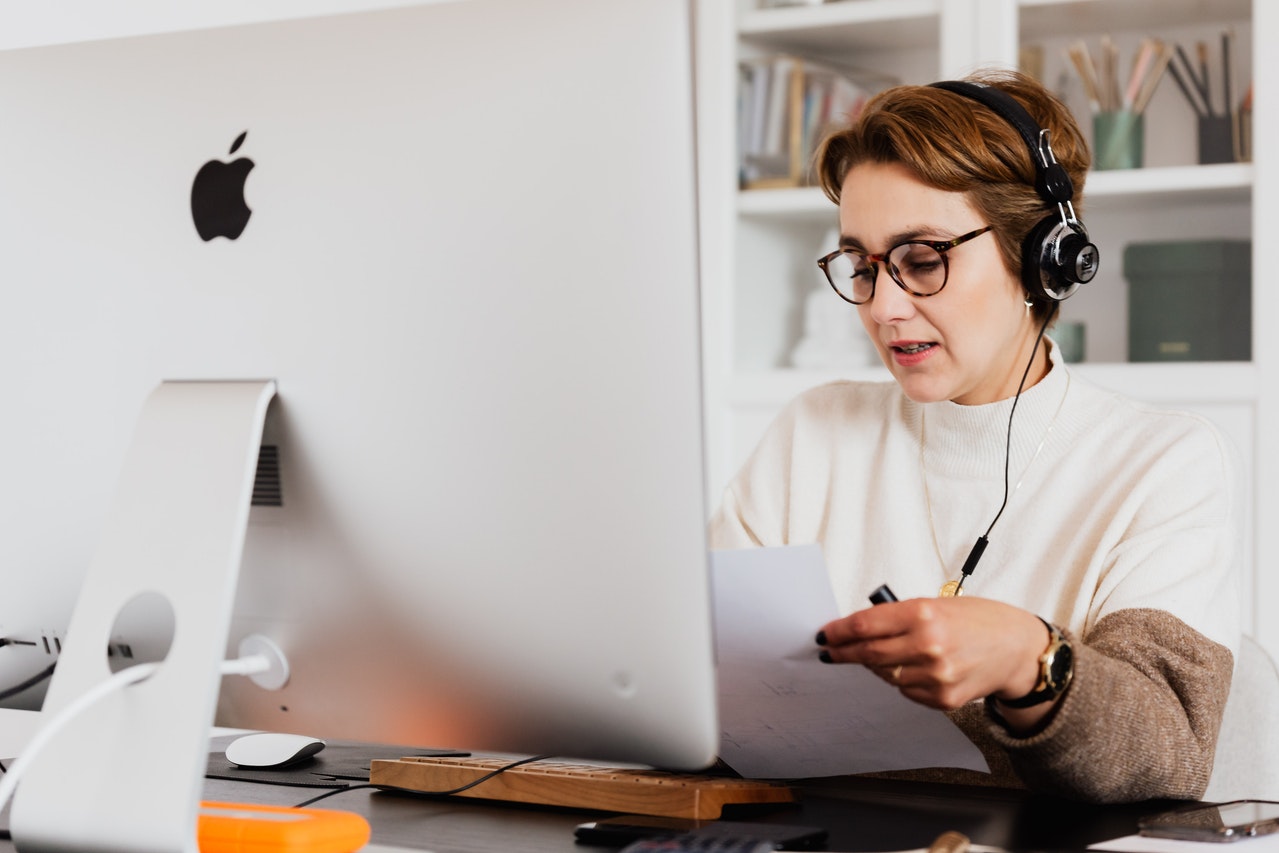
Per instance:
{"type": "Point", "coordinates": [786, 106]}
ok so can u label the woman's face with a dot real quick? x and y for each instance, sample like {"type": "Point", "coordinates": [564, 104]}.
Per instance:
{"type": "Point", "coordinates": [970, 342]}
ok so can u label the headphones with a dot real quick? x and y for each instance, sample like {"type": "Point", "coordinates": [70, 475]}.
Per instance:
{"type": "Point", "coordinates": [1056, 256]}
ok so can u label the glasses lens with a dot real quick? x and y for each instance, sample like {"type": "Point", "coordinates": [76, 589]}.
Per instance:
{"type": "Point", "coordinates": [852, 276]}
{"type": "Point", "coordinates": [922, 269]}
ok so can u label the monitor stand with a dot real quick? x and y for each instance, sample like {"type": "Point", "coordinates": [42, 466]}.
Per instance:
{"type": "Point", "coordinates": [127, 773]}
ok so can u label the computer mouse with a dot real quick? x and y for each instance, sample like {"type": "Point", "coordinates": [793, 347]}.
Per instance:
{"type": "Point", "coordinates": [271, 750]}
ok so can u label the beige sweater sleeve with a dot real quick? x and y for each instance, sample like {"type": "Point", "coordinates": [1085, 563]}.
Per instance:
{"type": "Point", "coordinates": [1140, 719]}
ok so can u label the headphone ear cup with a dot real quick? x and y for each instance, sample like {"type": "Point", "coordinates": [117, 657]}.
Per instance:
{"type": "Point", "coordinates": [1056, 258]}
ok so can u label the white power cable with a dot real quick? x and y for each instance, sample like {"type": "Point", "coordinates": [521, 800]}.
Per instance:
{"type": "Point", "coordinates": [248, 665]}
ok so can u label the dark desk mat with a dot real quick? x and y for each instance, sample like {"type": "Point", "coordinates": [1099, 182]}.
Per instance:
{"type": "Point", "coordinates": [336, 766]}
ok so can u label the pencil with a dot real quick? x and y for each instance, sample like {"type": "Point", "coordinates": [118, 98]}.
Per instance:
{"type": "Point", "coordinates": [1110, 55]}
{"type": "Point", "coordinates": [1140, 65]}
{"type": "Point", "coordinates": [1163, 53]}
{"type": "Point", "coordinates": [1202, 49]}
{"type": "Point", "coordinates": [1226, 37]}
{"type": "Point", "coordinates": [1232, 109]}
{"type": "Point", "coordinates": [1189, 79]}
{"type": "Point", "coordinates": [1186, 88]}
{"type": "Point", "coordinates": [1078, 54]}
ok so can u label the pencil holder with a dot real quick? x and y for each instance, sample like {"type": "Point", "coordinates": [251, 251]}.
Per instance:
{"type": "Point", "coordinates": [1216, 140]}
{"type": "Point", "coordinates": [1119, 140]}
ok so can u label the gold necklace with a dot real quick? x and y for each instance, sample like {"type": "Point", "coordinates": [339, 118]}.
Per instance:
{"type": "Point", "coordinates": [953, 588]}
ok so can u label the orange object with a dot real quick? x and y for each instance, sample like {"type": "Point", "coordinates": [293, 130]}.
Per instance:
{"type": "Point", "coordinates": [244, 828]}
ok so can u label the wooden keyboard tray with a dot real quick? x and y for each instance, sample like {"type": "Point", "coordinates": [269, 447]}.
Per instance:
{"type": "Point", "coordinates": [583, 786]}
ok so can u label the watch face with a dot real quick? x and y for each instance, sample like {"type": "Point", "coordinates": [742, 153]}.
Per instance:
{"type": "Point", "coordinates": [1061, 666]}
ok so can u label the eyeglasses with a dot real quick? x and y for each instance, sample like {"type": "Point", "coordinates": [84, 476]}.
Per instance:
{"type": "Point", "coordinates": [919, 267]}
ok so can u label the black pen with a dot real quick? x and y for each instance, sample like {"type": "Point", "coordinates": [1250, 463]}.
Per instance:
{"type": "Point", "coordinates": [883, 595]}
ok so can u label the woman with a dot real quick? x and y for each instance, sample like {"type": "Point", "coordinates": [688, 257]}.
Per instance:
{"type": "Point", "coordinates": [1090, 652]}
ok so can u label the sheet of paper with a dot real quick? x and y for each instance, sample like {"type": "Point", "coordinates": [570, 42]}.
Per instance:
{"type": "Point", "coordinates": [1141, 844]}
{"type": "Point", "coordinates": [784, 713]}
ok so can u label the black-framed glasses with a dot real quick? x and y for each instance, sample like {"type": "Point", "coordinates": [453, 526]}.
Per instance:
{"type": "Point", "coordinates": [919, 267]}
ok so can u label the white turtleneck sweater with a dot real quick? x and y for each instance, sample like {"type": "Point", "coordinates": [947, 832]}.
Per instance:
{"type": "Point", "coordinates": [1118, 529]}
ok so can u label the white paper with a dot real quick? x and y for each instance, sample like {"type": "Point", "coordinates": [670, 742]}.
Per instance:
{"type": "Point", "coordinates": [1142, 844]}
{"type": "Point", "coordinates": [784, 713]}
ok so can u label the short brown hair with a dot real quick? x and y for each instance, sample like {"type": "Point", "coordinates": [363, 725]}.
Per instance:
{"type": "Point", "coordinates": [953, 143]}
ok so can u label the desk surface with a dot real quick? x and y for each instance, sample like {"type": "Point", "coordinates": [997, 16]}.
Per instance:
{"type": "Point", "coordinates": [859, 814]}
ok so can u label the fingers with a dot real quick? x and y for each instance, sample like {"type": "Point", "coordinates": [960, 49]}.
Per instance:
{"type": "Point", "coordinates": [884, 635]}
{"type": "Point", "coordinates": [890, 674]}
{"type": "Point", "coordinates": [882, 620]}
{"type": "Point", "coordinates": [941, 652]}
{"type": "Point", "coordinates": [918, 683]}
{"type": "Point", "coordinates": [909, 644]}
{"type": "Point", "coordinates": [885, 653]}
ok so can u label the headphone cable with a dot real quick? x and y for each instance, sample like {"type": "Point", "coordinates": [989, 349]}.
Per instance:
{"type": "Point", "coordinates": [979, 547]}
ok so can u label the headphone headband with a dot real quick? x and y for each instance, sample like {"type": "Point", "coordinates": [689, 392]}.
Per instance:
{"type": "Point", "coordinates": [1051, 180]}
{"type": "Point", "coordinates": [1057, 255]}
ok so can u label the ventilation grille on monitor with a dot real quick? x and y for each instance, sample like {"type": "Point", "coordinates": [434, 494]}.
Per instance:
{"type": "Point", "coordinates": [266, 485]}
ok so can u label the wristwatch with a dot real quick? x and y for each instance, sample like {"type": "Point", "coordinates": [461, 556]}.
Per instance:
{"type": "Point", "coordinates": [1056, 667]}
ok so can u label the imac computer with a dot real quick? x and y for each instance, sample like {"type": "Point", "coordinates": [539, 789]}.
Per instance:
{"type": "Point", "coordinates": [371, 341]}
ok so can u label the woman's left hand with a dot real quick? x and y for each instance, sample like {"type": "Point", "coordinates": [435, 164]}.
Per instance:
{"type": "Point", "coordinates": [944, 652]}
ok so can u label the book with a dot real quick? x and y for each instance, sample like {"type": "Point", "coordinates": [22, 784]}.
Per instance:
{"type": "Point", "coordinates": [788, 105]}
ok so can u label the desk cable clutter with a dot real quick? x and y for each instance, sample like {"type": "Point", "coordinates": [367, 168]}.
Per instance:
{"type": "Point", "coordinates": [249, 665]}
{"type": "Point", "coordinates": [221, 827]}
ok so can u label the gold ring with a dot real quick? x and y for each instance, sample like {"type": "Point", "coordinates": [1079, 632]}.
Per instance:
{"type": "Point", "coordinates": [896, 676]}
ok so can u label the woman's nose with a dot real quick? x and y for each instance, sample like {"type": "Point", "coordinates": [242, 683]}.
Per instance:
{"type": "Point", "coordinates": [890, 303]}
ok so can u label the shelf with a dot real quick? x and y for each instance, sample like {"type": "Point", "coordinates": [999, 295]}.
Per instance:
{"type": "Point", "coordinates": [790, 203]}
{"type": "Point", "coordinates": [1057, 18]}
{"type": "Point", "coordinates": [1119, 189]}
{"type": "Point", "coordinates": [842, 26]}
{"type": "Point", "coordinates": [870, 24]}
{"type": "Point", "coordinates": [1179, 382]}
{"type": "Point", "coordinates": [1167, 382]}
{"type": "Point", "coordinates": [1171, 185]}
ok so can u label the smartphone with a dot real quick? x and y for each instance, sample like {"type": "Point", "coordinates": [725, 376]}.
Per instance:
{"type": "Point", "coordinates": [622, 830]}
{"type": "Point", "coordinates": [1223, 822]}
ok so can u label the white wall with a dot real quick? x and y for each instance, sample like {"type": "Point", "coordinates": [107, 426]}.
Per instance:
{"type": "Point", "coordinates": [26, 23]}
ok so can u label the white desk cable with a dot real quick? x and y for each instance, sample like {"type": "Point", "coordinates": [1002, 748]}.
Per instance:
{"type": "Point", "coordinates": [248, 665]}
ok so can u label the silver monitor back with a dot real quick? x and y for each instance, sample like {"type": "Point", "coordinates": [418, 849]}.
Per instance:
{"type": "Point", "coordinates": [470, 266]}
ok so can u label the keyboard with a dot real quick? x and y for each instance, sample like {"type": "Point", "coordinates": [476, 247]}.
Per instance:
{"type": "Point", "coordinates": [582, 786]}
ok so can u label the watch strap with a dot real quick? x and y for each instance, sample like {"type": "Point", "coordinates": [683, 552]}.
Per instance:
{"type": "Point", "coordinates": [1046, 688]}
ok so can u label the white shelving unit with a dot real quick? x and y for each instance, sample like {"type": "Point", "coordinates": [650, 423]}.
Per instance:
{"type": "Point", "coordinates": [760, 246]}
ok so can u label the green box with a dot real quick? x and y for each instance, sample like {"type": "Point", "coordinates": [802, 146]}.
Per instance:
{"type": "Point", "coordinates": [1189, 300]}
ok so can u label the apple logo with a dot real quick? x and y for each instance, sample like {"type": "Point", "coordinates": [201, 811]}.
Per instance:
{"type": "Point", "coordinates": [217, 196]}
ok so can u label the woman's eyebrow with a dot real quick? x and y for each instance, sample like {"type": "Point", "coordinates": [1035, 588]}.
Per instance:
{"type": "Point", "coordinates": [848, 241]}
